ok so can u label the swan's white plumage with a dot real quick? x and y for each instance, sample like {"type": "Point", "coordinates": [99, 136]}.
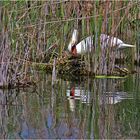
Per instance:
{"type": "Point", "coordinates": [86, 44]}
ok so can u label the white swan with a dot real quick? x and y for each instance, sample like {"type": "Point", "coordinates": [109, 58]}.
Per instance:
{"type": "Point", "coordinates": [86, 44]}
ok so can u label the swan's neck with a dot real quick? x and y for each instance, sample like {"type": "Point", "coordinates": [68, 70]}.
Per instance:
{"type": "Point", "coordinates": [74, 50]}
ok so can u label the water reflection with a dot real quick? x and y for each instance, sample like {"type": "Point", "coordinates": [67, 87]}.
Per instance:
{"type": "Point", "coordinates": [89, 108]}
{"type": "Point", "coordinates": [106, 96]}
{"type": "Point", "coordinates": [75, 93]}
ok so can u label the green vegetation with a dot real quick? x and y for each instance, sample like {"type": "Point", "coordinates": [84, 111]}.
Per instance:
{"type": "Point", "coordinates": [37, 31]}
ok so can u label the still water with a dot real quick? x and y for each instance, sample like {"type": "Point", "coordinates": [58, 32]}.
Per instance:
{"type": "Point", "coordinates": [85, 108]}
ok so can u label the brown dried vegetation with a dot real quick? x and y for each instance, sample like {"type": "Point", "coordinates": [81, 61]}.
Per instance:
{"type": "Point", "coordinates": [32, 33]}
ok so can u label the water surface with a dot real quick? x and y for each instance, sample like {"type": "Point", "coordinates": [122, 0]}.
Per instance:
{"type": "Point", "coordinates": [86, 108]}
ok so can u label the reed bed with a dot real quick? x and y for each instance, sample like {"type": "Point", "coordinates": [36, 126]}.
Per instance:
{"type": "Point", "coordinates": [33, 33]}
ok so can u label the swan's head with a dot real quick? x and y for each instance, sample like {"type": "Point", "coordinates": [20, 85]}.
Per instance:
{"type": "Point", "coordinates": [72, 44]}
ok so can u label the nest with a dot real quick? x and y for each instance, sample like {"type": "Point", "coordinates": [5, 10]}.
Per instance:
{"type": "Point", "coordinates": [77, 66]}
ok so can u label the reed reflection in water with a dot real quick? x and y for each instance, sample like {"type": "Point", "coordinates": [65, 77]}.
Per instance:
{"type": "Point", "coordinates": [89, 108]}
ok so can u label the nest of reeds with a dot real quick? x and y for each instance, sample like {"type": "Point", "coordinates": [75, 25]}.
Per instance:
{"type": "Point", "coordinates": [76, 66]}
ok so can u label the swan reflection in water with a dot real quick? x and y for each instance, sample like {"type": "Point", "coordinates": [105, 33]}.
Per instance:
{"type": "Point", "coordinates": [85, 96]}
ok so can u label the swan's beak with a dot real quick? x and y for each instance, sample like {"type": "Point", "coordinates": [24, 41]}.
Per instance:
{"type": "Point", "coordinates": [123, 46]}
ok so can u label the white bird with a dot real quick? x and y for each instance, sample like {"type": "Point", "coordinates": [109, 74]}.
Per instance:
{"type": "Point", "coordinates": [87, 44]}
{"type": "Point", "coordinates": [108, 98]}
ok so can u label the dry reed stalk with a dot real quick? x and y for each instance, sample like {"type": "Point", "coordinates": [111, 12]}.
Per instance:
{"type": "Point", "coordinates": [54, 72]}
{"type": "Point", "coordinates": [35, 24]}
